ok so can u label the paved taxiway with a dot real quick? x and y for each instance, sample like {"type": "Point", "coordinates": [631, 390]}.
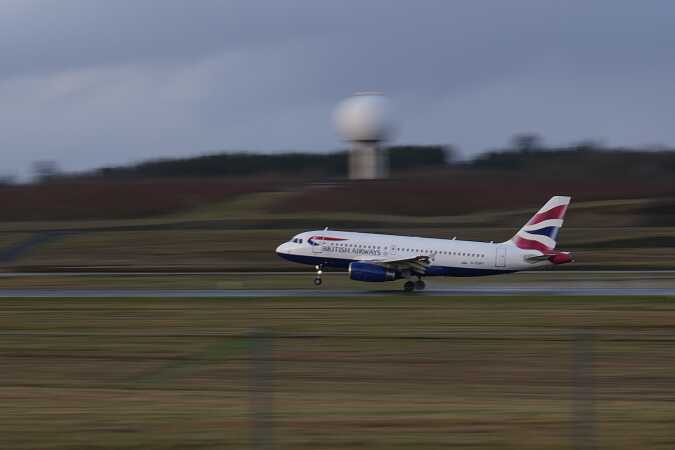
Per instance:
{"type": "Point", "coordinates": [247, 293]}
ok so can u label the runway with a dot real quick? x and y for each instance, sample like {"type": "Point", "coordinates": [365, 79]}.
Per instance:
{"type": "Point", "coordinates": [310, 273]}
{"type": "Point", "coordinates": [321, 293]}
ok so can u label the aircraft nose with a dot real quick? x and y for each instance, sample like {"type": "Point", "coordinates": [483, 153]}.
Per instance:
{"type": "Point", "coordinates": [283, 248]}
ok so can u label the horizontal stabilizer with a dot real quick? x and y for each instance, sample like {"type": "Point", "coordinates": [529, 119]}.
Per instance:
{"type": "Point", "coordinates": [554, 257]}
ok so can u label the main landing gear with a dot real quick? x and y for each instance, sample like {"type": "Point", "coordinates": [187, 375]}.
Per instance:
{"type": "Point", "coordinates": [319, 271]}
{"type": "Point", "coordinates": [418, 285]}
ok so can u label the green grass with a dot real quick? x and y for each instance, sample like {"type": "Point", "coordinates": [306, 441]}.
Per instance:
{"type": "Point", "coordinates": [395, 372]}
{"type": "Point", "coordinates": [645, 242]}
{"type": "Point", "coordinates": [241, 234]}
{"type": "Point", "coordinates": [9, 239]}
{"type": "Point", "coordinates": [253, 249]}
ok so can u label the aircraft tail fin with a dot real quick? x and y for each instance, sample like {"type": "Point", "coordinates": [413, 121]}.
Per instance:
{"type": "Point", "coordinates": [541, 231]}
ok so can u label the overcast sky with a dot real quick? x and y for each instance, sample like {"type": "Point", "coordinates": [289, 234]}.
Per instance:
{"type": "Point", "coordinates": [98, 82]}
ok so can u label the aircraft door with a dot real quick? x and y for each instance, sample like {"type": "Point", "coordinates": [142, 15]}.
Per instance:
{"type": "Point", "coordinates": [392, 250]}
{"type": "Point", "coordinates": [501, 256]}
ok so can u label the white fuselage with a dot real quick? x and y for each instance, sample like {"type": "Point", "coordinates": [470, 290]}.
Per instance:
{"type": "Point", "coordinates": [448, 257]}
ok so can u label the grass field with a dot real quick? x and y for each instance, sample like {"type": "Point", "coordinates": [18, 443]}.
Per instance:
{"type": "Point", "coordinates": [241, 235]}
{"type": "Point", "coordinates": [363, 373]}
{"type": "Point", "coordinates": [210, 249]}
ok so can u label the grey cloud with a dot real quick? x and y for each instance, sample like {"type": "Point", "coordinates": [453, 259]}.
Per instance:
{"type": "Point", "coordinates": [93, 82]}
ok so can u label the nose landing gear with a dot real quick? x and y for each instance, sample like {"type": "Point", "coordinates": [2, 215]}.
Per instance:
{"type": "Point", "coordinates": [319, 271]}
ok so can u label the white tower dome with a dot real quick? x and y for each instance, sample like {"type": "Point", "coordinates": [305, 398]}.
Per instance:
{"type": "Point", "coordinates": [364, 118]}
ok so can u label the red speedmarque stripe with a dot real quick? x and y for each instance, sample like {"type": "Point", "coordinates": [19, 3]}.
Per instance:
{"type": "Point", "coordinates": [527, 244]}
{"type": "Point", "coordinates": [554, 213]}
{"type": "Point", "coordinates": [327, 238]}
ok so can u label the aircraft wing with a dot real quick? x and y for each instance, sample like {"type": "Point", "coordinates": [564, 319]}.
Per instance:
{"type": "Point", "coordinates": [416, 264]}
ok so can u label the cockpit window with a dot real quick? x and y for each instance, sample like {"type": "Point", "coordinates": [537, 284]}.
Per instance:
{"type": "Point", "coordinates": [296, 240]}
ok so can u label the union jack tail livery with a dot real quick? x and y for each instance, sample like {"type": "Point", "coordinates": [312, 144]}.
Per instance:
{"type": "Point", "coordinates": [541, 231]}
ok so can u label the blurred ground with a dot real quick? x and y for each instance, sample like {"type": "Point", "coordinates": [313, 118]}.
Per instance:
{"type": "Point", "coordinates": [229, 211]}
{"type": "Point", "coordinates": [362, 373]}
{"type": "Point", "coordinates": [241, 235]}
{"type": "Point", "coordinates": [388, 372]}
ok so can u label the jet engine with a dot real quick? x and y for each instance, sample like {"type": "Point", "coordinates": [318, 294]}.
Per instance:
{"type": "Point", "coordinates": [370, 272]}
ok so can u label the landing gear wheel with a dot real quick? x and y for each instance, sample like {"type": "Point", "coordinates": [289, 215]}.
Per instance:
{"type": "Point", "coordinates": [319, 272]}
{"type": "Point", "coordinates": [420, 285]}
{"type": "Point", "coordinates": [409, 286]}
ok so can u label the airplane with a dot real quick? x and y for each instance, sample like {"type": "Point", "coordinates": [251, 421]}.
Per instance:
{"type": "Point", "coordinates": [381, 257]}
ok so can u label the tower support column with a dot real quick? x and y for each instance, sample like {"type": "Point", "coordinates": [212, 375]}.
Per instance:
{"type": "Point", "coordinates": [367, 161]}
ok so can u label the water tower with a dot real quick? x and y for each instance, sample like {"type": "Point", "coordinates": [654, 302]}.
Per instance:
{"type": "Point", "coordinates": [365, 121]}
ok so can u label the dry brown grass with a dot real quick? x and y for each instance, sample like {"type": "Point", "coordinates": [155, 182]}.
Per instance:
{"type": "Point", "coordinates": [236, 250]}
{"type": "Point", "coordinates": [121, 199]}
{"type": "Point", "coordinates": [452, 191]}
{"type": "Point", "coordinates": [378, 373]}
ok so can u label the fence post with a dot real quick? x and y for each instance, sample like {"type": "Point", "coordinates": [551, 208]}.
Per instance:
{"type": "Point", "coordinates": [261, 391]}
{"type": "Point", "coordinates": [583, 420]}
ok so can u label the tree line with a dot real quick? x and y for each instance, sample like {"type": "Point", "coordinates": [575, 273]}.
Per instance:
{"type": "Point", "coordinates": [246, 163]}
{"type": "Point", "coordinates": [526, 154]}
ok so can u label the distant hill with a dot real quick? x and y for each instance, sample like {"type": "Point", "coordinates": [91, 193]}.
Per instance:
{"type": "Point", "coordinates": [580, 162]}
{"type": "Point", "coordinates": [299, 164]}
{"type": "Point", "coordinates": [425, 181]}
